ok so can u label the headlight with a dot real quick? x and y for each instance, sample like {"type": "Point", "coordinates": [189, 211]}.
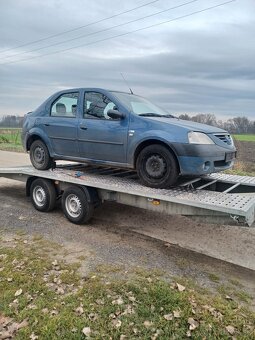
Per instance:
{"type": "Point", "coordinates": [231, 140]}
{"type": "Point", "coordinates": [199, 138]}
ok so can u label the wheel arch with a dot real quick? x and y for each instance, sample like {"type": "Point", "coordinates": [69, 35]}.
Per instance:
{"type": "Point", "coordinates": [37, 135]}
{"type": "Point", "coordinates": [33, 138]}
{"type": "Point", "coordinates": [148, 142]}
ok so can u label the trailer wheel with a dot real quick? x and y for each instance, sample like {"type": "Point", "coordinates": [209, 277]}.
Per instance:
{"type": "Point", "coordinates": [157, 167]}
{"type": "Point", "coordinates": [43, 195]}
{"type": "Point", "coordinates": [76, 205]}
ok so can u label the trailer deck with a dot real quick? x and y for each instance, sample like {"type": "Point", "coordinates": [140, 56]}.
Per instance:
{"type": "Point", "coordinates": [218, 198]}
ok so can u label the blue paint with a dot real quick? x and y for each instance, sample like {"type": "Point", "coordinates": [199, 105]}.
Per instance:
{"type": "Point", "coordinates": [102, 140]}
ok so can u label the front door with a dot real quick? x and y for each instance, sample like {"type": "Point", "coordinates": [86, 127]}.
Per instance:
{"type": "Point", "coordinates": [100, 137]}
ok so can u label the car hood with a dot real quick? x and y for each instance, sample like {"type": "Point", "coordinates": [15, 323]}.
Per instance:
{"type": "Point", "coordinates": [188, 125]}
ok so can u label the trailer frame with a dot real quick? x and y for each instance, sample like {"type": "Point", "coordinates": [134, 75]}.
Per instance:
{"type": "Point", "coordinates": [216, 198]}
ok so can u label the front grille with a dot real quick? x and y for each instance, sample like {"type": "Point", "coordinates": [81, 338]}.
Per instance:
{"type": "Point", "coordinates": [225, 138]}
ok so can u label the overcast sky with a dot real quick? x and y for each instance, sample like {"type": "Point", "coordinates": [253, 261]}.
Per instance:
{"type": "Point", "coordinates": [204, 63]}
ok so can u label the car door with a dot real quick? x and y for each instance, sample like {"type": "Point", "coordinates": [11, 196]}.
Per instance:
{"type": "Point", "coordinates": [61, 125]}
{"type": "Point", "coordinates": [100, 137]}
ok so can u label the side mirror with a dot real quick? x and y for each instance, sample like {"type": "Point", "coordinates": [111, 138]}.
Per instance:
{"type": "Point", "coordinates": [115, 114]}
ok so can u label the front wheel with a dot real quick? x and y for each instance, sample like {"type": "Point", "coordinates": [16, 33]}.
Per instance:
{"type": "Point", "coordinates": [76, 205]}
{"type": "Point", "coordinates": [157, 167]}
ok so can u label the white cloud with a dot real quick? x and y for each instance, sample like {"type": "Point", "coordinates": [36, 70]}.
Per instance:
{"type": "Point", "coordinates": [204, 63]}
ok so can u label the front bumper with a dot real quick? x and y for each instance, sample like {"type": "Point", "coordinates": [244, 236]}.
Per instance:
{"type": "Point", "coordinates": [204, 159]}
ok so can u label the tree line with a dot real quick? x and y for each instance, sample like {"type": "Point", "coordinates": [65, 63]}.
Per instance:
{"type": "Point", "coordinates": [236, 125]}
{"type": "Point", "coordinates": [11, 121]}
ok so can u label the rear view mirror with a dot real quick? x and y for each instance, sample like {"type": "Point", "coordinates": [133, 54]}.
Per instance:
{"type": "Point", "coordinates": [115, 114]}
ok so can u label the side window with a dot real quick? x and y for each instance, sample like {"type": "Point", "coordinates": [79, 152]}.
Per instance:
{"type": "Point", "coordinates": [65, 106]}
{"type": "Point", "coordinates": [96, 106]}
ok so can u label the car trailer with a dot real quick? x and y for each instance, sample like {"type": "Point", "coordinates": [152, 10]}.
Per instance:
{"type": "Point", "coordinates": [216, 198]}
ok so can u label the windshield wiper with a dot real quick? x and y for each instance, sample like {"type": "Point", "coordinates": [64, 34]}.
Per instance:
{"type": "Point", "coordinates": [169, 116]}
{"type": "Point", "coordinates": [150, 114]}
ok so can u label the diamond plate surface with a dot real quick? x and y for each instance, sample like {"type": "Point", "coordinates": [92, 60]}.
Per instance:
{"type": "Point", "coordinates": [233, 178]}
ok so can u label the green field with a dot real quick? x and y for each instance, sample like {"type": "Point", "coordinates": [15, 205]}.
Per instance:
{"type": "Point", "coordinates": [10, 139]}
{"type": "Point", "coordinates": [245, 138]}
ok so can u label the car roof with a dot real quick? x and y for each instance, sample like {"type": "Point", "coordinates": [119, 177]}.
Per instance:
{"type": "Point", "coordinates": [91, 89]}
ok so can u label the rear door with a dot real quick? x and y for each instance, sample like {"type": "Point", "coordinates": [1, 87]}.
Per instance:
{"type": "Point", "coordinates": [61, 124]}
{"type": "Point", "coordinates": [100, 137]}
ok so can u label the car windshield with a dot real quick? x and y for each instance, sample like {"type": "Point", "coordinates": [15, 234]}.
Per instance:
{"type": "Point", "coordinates": [141, 106]}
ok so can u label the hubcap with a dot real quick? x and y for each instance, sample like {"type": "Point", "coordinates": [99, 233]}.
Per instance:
{"type": "Point", "coordinates": [155, 166]}
{"type": "Point", "coordinates": [39, 196]}
{"type": "Point", "coordinates": [39, 155]}
{"type": "Point", "coordinates": [73, 205]}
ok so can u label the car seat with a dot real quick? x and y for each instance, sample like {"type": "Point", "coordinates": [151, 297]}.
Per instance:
{"type": "Point", "coordinates": [61, 108]}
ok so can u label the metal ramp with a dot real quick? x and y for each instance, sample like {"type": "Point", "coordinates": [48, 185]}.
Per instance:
{"type": "Point", "coordinates": [218, 198]}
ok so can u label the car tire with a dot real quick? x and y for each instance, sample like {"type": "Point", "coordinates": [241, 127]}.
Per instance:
{"type": "Point", "coordinates": [157, 167]}
{"type": "Point", "coordinates": [76, 206]}
{"type": "Point", "coordinates": [43, 195]}
{"type": "Point", "coordinates": [39, 155]}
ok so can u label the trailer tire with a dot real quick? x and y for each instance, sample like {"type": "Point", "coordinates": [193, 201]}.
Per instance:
{"type": "Point", "coordinates": [157, 167]}
{"type": "Point", "coordinates": [39, 155]}
{"type": "Point", "coordinates": [43, 195]}
{"type": "Point", "coordinates": [76, 205]}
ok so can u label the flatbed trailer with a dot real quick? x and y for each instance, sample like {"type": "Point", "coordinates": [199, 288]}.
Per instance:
{"type": "Point", "coordinates": [216, 198]}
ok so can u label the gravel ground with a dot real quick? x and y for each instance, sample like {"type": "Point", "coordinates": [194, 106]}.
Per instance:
{"type": "Point", "coordinates": [107, 243]}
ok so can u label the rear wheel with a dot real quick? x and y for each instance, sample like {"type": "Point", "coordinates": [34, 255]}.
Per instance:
{"type": "Point", "coordinates": [39, 155]}
{"type": "Point", "coordinates": [157, 167]}
{"type": "Point", "coordinates": [76, 206]}
{"type": "Point", "coordinates": [43, 195]}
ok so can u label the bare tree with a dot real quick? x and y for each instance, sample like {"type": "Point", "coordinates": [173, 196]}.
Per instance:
{"type": "Point", "coordinates": [233, 125]}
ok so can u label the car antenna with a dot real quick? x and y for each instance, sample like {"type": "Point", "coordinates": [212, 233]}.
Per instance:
{"type": "Point", "coordinates": [125, 81]}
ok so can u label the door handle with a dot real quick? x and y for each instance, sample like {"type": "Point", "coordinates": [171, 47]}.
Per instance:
{"type": "Point", "coordinates": [46, 124]}
{"type": "Point", "coordinates": [83, 127]}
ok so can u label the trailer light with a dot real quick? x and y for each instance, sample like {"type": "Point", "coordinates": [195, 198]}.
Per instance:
{"type": "Point", "coordinates": [154, 201]}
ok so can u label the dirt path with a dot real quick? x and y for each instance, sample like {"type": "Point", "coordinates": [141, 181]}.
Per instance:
{"type": "Point", "coordinates": [218, 241]}
{"type": "Point", "coordinates": [8, 158]}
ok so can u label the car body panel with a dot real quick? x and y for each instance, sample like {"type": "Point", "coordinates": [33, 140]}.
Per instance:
{"type": "Point", "coordinates": [96, 139]}
{"type": "Point", "coordinates": [62, 133]}
{"type": "Point", "coordinates": [115, 142]}
{"type": "Point", "coordinates": [189, 125]}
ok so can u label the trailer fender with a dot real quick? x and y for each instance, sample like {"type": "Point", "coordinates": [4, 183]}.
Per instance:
{"type": "Point", "coordinates": [91, 195]}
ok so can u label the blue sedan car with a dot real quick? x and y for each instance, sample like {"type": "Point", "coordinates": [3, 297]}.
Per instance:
{"type": "Point", "coordinates": [120, 129]}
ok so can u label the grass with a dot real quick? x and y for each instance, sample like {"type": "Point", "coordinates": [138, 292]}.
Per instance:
{"type": "Point", "coordinates": [242, 169]}
{"type": "Point", "coordinates": [213, 277]}
{"type": "Point", "coordinates": [10, 139]}
{"type": "Point", "coordinates": [240, 294]}
{"type": "Point", "coordinates": [245, 138]}
{"type": "Point", "coordinates": [57, 303]}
